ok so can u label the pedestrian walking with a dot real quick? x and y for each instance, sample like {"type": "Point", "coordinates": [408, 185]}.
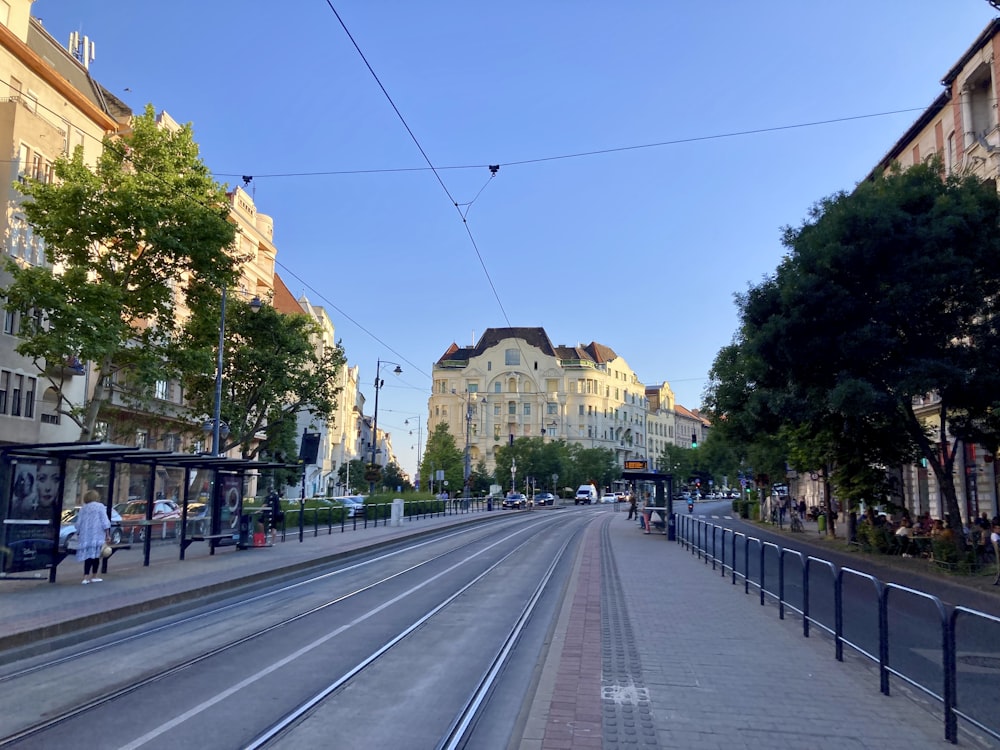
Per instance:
{"type": "Point", "coordinates": [632, 502]}
{"type": "Point", "coordinates": [92, 533]}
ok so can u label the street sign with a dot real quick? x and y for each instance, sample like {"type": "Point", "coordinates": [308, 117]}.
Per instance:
{"type": "Point", "coordinates": [634, 465]}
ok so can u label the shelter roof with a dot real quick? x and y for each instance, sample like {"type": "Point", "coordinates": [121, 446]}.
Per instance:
{"type": "Point", "coordinates": [101, 451]}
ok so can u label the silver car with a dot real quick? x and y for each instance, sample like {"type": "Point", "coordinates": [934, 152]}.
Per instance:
{"type": "Point", "coordinates": [67, 531]}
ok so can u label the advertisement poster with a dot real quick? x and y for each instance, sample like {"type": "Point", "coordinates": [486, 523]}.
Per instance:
{"type": "Point", "coordinates": [232, 502]}
{"type": "Point", "coordinates": [29, 533]}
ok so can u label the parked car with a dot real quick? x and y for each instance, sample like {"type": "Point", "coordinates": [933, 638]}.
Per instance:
{"type": "Point", "coordinates": [133, 514]}
{"type": "Point", "coordinates": [67, 529]}
{"type": "Point", "coordinates": [515, 500]}
{"type": "Point", "coordinates": [609, 497]}
{"type": "Point", "coordinates": [199, 521]}
{"type": "Point", "coordinates": [353, 504]}
{"type": "Point", "coordinates": [545, 498]}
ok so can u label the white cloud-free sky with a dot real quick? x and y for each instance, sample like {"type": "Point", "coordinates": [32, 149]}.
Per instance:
{"type": "Point", "coordinates": [649, 152]}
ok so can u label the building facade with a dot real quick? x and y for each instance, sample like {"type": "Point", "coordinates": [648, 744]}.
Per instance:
{"type": "Point", "coordinates": [960, 127]}
{"type": "Point", "coordinates": [49, 106]}
{"type": "Point", "coordinates": [515, 383]}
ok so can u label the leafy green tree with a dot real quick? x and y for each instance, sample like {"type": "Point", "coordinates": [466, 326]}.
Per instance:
{"type": "Point", "coordinates": [888, 295]}
{"type": "Point", "coordinates": [357, 484]}
{"type": "Point", "coordinates": [441, 453]}
{"type": "Point", "coordinates": [392, 477]}
{"type": "Point", "coordinates": [122, 236]}
{"type": "Point", "coordinates": [272, 370]}
{"type": "Point", "coordinates": [481, 479]}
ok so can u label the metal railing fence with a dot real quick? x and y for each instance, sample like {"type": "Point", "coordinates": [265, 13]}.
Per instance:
{"type": "Point", "coordinates": [950, 654]}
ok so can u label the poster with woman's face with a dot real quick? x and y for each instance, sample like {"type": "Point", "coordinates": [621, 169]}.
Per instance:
{"type": "Point", "coordinates": [34, 490]}
{"type": "Point", "coordinates": [28, 538]}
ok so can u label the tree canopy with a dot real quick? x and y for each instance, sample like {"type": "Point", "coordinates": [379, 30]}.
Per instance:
{"type": "Point", "coordinates": [272, 371]}
{"type": "Point", "coordinates": [120, 239]}
{"type": "Point", "coordinates": [885, 301]}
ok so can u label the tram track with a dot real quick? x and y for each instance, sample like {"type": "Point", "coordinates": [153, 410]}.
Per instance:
{"type": "Point", "coordinates": [508, 544]}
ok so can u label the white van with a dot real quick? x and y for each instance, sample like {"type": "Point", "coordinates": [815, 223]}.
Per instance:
{"type": "Point", "coordinates": [585, 493]}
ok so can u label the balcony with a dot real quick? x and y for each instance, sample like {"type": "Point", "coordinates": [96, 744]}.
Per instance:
{"type": "Point", "coordinates": [70, 367]}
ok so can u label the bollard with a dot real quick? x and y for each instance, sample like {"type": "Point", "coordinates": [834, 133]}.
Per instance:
{"type": "Point", "coordinates": [396, 514]}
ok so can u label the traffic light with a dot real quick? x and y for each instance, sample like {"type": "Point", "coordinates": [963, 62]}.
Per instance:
{"type": "Point", "coordinates": [694, 439]}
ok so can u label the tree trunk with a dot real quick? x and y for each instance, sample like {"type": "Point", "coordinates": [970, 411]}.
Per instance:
{"type": "Point", "coordinates": [94, 405]}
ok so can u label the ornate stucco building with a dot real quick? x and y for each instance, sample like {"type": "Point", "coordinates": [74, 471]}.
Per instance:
{"type": "Point", "coordinates": [515, 383]}
{"type": "Point", "coordinates": [49, 106]}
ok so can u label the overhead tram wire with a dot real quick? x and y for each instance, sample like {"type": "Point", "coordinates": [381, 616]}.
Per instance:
{"type": "Point", "coordinates": [596, 152]}
{"type": "Point", "coordinates": [323, 298]}
{"type": "Point", "coordinates": [430, 164]}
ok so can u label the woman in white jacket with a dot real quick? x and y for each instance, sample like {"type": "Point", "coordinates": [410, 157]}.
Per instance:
{"type": "Point", "coordinates": [92, 527]}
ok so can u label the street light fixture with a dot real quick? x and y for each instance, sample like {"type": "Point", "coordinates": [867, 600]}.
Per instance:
{"type": "Point", "coordinates": [378, 386]}
{"type": "Point", "coordinates": [216, 423]}
{"type": "Point", "coordinates": [406, 422]}
{"type": "Point", "coordinates": [469, 411]}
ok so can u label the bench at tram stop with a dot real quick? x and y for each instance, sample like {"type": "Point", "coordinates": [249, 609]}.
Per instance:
{"type": "Point", "coordinates": [68, 551]}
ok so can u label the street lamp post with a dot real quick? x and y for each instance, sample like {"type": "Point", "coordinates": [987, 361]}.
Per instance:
{"type": "Point", "coordinates": [469, 412]}
{"type": "Point", "coordinates": [468, 458]}
{"type": "Point", "coordinates": [407, 421]}
{"type": "Point", "coordinates": [217, 410]}
{"type": "Point", "coordinates": [378, 386]}
{"type": "Point", "coordinates": [220, 430]}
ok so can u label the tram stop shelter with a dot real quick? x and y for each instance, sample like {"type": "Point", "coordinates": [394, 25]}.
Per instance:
{"type": "Point", "coordinates": [39, 483]}
{"type": "Point", "coordinates": [663, 495]}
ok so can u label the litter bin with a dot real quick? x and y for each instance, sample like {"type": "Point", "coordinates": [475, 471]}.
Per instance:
{"type": "Point", "coordinates": [263, 527]}
{"type": "Point", "coordinates": [245, 531]}
{"type": "Point", "coordinates": [489, 503]}
{"type": "Point", "coordinates": [821, 522]}
{"type": "Point", "coordinates": [671, 529]}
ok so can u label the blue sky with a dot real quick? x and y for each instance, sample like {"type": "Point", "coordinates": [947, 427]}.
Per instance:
{"type": "Point", "coordinates": [587, 229]}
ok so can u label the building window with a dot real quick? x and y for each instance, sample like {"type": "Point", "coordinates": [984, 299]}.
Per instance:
{"type": "Point", "coordinates": [9, 321]}
{"type": "Point", "coordinates": [472, 387]}
{"type": "Point", "coordinates": [4, 389]}
{"type": "Point", "coordinates": [512, 358]}
{"type": "Point", "coordinates": [101, 431]}
{"type": "Point", "coordinates": [496, 410]}
{"type": "Point", "coordinates": [141, 438]}
{"type": "Point", "coordinates": [15, 396]}
{"type": "Point", "coordinates": [160, 390]}
{"type": "Point", "coordinates": [496, 387]}
{"type": "Point", "coordinates": [527, 410]}
{"type": "Point", "coordinates": [979, 89]}
{"type": "Point", "coordinates": [512, 408]}
{"type": "Point", "coordinates": [29, 399]}
{"type": "Point", "coordinates": [489, 367]}
{"type": "Point", "coordinates": [581, 410]}
{"type": "Point", "coordinates": [551, 408]}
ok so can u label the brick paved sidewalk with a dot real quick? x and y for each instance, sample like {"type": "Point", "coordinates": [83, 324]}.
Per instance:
{"type": "Point", "coordinates": [718, 670]}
